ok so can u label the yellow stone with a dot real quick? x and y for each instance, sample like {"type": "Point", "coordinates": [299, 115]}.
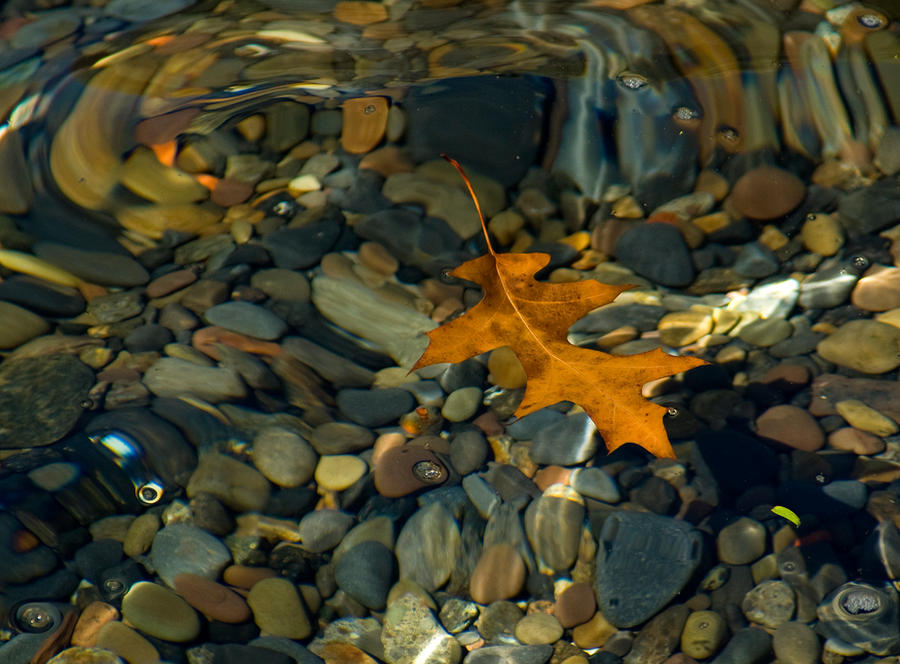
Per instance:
{"type": "Point", "coordinates": [505, 368]}
{"type": "Point", "coordinates": [863, 417]}
{"type": "Point", "coordinates": [18, 261]}
{"type": "Point", "coordinates": [252, 127]}
{"type": "Point", "coordinates": [504, 225]}
{"type": "Point", "coordinates": [711, 223]}
{"type": "Point", "coordinates": [144, 175]}
{"type": "Point", "coordinates": [891, 317]}
{"type": "Point", "coordinates": [822, 234]}
{"type": "Point", "coordinates": [127, 643]}
{"type": "Point", "coordinates": [681, 328]}
{"type": "Point", "coordinates": [303, 184]}
{"type": "Point", "coordinates": [336, 472]}
{"type": "Point", "coordinates": [772, 237]}
{"type": "Point", "coordinates": [580, 240]}
{"type": "Point", "coordinates": [153, 220]}
{"type": "Point", "coordinates": [594, 633]}
{"type": "Point", "coordinates": [16, 192]}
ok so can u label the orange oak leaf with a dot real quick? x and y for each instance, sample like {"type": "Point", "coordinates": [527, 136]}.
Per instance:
{"type": "Point", "coordinates": [533, 318]}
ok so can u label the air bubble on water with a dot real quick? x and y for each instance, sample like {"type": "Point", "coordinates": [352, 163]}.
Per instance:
{"type": "Point", "coordinates": [631, 80]}
{"type": "Point", "coordinates": [870, 20]}
{"type": "Point", "coordinates": [860, 262]}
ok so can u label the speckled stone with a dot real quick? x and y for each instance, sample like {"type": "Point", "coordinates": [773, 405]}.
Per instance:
{"type": "Point", "coordinates": [408, 623]}
{"type": "Point", "coordinates": [703, 634]}
{"type": "Point", "coordinates": [770, 603]}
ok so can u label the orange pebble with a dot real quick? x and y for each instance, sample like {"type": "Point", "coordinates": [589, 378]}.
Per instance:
{"type": "Point", "coordinates": [360, 13]}
{"type": "Point", "coordinates": [206, 338]}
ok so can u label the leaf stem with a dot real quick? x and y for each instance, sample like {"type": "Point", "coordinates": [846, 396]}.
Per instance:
{"type": "Point", "coordinates": [465, 178]}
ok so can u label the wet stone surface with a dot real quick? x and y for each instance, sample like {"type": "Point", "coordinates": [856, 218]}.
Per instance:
{"type": "Point", "coordinates": [220, 253]}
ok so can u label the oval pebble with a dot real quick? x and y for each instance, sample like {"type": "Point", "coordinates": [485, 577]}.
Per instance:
{"type": "Point", "coordinates": [336, 472]}
{"type": "Point", "coordinates": [538, 628]}
{"type": "Point", "coordinates": [703, 634]}
{"type": "Point", "coordinates": [159, 612]}
{"type": "Point", "coordinates": [212, 599]}
{"type": "Point", "coordinates": [278, 609]}
{"type": "Point", "coordinates": [246, 318]}
{"type": "Point", "coordinates": [791, 426]}
{"type": "Point", "coordinates": [868, 346]}
{"type": "Point", "coordinates": [462, 404]}
{"type": "Point", "coordinates": [284, 457]}
{"type": "Point", "coordinates": [499, 574]}
{"type": "Point", "coordinates": [741, 542]}
{"type": "Point", "coordinates": [767, 192]}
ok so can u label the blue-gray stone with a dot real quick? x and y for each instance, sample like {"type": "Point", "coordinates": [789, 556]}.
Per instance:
{"type": "Point", "coordinates": [828, 287]}
{"type": "Point", "coordinates": [755, 260]}
{"type": "Point", "coordinates": [594, 483]}
{"type": "Point", "coordinates": [182, 548]}
{"type": "Point", "coordinates": [571, 441]}
{"type": "Point", "coordinates": [526, 428]}
{"type": "Point", "coordinates": [634, 547]}
{"type": "Point", "coordinates": [864, 615]}
{"type": "Point", "coordinates": [246, 318]}
{"type": "Point", "coordinates": [376, 407]}
{"type": "Point", "coordinates": [366, 572]}
{"type": "Point", "coordinates": [300, 248]}
{"type": "Point", "coordinates": [658, 252]}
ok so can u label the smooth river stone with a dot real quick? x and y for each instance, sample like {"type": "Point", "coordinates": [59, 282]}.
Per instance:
{"type": "Point", "coordinates": [176, 378]}
{"type": "Point", "coordinates": [97, 267]}
{"type": "Point", "coordinates": [278, 609]}
{"type": "Point", "coordinates": [159, 612]}
{"type": "Point", "coordinates": [246, 318]}
{"type": "Point", "coordinates": [553, 525]}
{"type": "Point", "coordinates": [180, 548]}
{"type": "Point", "coordinates": [792, 426]}
{"type": "Point", "coordinates": [656, 251]}
{"type": "Point", "coordinates": [236, 484]}
{"type": "Point", "coordinates": [41, 398]}
{"type": "Point", "coordinates": [499, 574]}
{"type": "Point", "coordinates": [878, 290]}
{"type": "Point", "coordinates": [868, 346]}
{"type": "Point", "coordinates": [18, 325]}
{"type": "Point", "coordinates": [427, 547]}
{"type": "Point", "coordinates": [767, 192]}
{"type": "Point", "coordinates": [284, 457]}
{"type": "Point", "coordinates": [397, 329]}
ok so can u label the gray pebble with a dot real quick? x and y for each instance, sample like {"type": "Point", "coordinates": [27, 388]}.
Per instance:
{"type": "Point", "coordinates": [322, 530]}
{"type": "Point", "coordinates": [184, 549]}
{"type": "Point", "coordinates": [375, 407]}
{"type": "Point", "coordinates": [427, 546]}
{"type": "Point", "coordinates": [246, 318]}
{"type": "Point", "coordinates": [366, 573]}
{"type": "Point", "coordinates": [594, 483]}
{"type": "Point", "coordinates": [284, 457]}
{"type": "Point", "coordinates": [571, 442]}
{"type": "Point", "coordinates": [340, 438]}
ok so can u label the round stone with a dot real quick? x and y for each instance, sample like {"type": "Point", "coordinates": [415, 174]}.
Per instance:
{"type": "Point", "coordinates": [322, 530]}
{"type": "Point", "coordinates": [41, 398]}
{"type": "Point", "coordinates": [538, 628]}
{"type": "Point", "coordinates": [159, 612]}
{"type": "Point", "coordinates": [767, 192]}
{"type": "Point", "coordinates": [575, 605]}
{"type": "Point", "coordinates": [771, 603]}
{"type": "Point", "coordinates": [822, 234]}
{"type": "Point", "coordinates": [237, 485]}
{"type": "Point", "coordinates": [741, 542]}
{"type": "Point", "coordinates": [278, 609]}
{"type": "Point", "coordinates": [284, 457]}
{"type": "Point", "coordinates": [462, 404]}
{"type": "Point", "coordinates": [868, 346]}
{"type": "Point", "coordinates": [282, 284]}
{"type": "Point", "coordinates": [184, 549]}
{"type": "Point", "coordinates": [499, 574]}
{"type": "Point", "coordinates": [703, 634]}
{"type": "Point", "coordinates": [792, 426]}
{"type": "Point", "coordinates": [336, 472]}
{"type": "Point", "coordinates": [878, 290]}
{"type": "Point", "coordinates": [505, 369]}
{"type": "Point", "coordinates": [796, 643]}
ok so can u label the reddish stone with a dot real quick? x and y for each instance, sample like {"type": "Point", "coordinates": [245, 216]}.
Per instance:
{"type": "Point", "coordinates": [400, 471]}
{"type": "Point", "coordinates": [791, 426]}
{"type": "Point", "coordinates": [499, 574]}
{"type": "Point", "coordinates": [856, 441]}
{"type": "Point", "coordinates": [211, 599]}
{"type": "Point", "coordinates": [170, 282]}
{"type": "Point", "coordinates": [229, 192]}
{"type": "Point", "coordinates": [767, 192]}
{"type": "Point", "coordinates": [243, 576]}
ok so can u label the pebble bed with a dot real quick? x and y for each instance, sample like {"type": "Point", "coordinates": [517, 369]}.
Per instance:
{"type": "Point", "coordinates": [303, 498]}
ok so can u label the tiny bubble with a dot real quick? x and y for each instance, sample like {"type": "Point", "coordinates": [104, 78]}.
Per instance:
{"type": "Point", "coordinates": [860, 262]}
{"type": "Point", "coordinates": [369, 109]}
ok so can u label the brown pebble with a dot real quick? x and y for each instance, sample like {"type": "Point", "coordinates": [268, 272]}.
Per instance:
{"type": "Point", "coordinates": [344, 653]}
{"type": "Point", "coordinates": [365, 120]}
{"type": "Point", "coordinates": [204, 294]}
{"type": "Point", "coordinates": [499, 574]}
{"type": "Point", "coordinates": [243, 576]}
{"type": "Point", "coordinates": [713, 183]}
{"type": "Point", "coordinates": [787, 376]}
{"type": "Point", "coordinates": [489, 423]}
{"type": "Point", "coordinates": [211, 599]}
{"type": "Point", "coordinates": [385, 442]}
{"type": "Point", "coordinates": [164, 128]}
{"type": "Point", "coordinates": [229, 191]}
{"type": "Point", "coordinates": [547, 477]}
{"type": "Point", "coordinates": [360, 13]}
{"type": "Point", "coordinates": [767, 192]}
{"type": "Point", "coordinates": [94, 616]}
{"type": "Point", "coordinates": [206, 338]}
{"type": "Point", "coordinates": [375, 257]}
{"type": "Point", "coordinates": [791, 426]}
{"type": "Point", "coordinates": [856, 441]}
{"type": "Point", "coordinates": [402, 470]}
{"type": "Point", "coordinates": [387, 160]}
{"type": "Point", "coordinates": [575, 605]}
{"type": "Point", "coordinates": [170, 282]}
{"type": "Point", "coordinates": [878, 290]}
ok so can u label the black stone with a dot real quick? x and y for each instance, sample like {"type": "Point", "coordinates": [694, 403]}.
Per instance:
{"type": "Point", "coordinates": [657, 252]}
{"type": "Point", "coordinates": [871, 208]}
{"type": "Point", "coordinates": [300, 248]}
{"type": "Point", "coordinates": [634, 547]}
{"type": "Point", "coordinates": [427, 243]}
{"type": "Point", "coordinates": [656, 495]}
{"type": "Point", "coordinates": [147, 338]}
{"type": "Point", "coordinates": [41, 296]}
{"type": "Point", "coordinates": [376, 407]}
{"type": "Point", "coordinates": [93, 558]}
{"type": "Point", "coordinates": [468, 373]}
{"type": "Point", "coordinates": [366, 573]}
{"type": "Point", "coordinates": [737, 461]}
